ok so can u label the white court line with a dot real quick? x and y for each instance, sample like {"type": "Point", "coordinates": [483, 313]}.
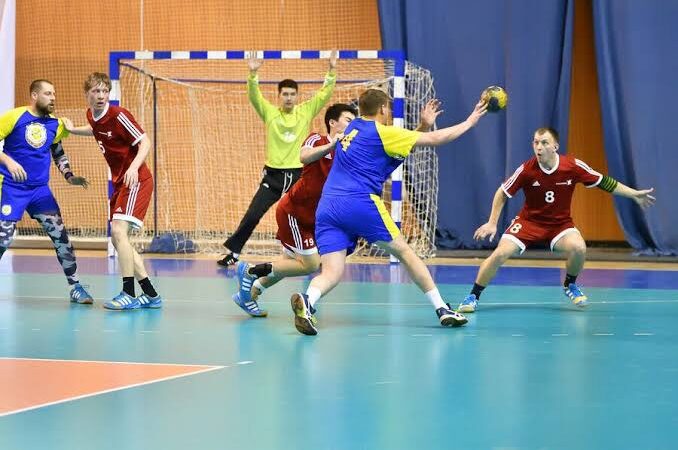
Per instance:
{"type": "Point", "coordinates": [106, 391]}
{"type": "Point", "coordinates": [375, 335]}
{"type": "Point", "coordinates": [517, 335]}
{"type": "Point", "coordinates": [603, 334]}
{"type": "Point", "coordinates": [559, 334]}
{"type": "Point", "coordinates": [422, 335]}
{"type": "Point", "coordinates": [108, 362]}
{"type": "Point", "coordinates": [643, 334]}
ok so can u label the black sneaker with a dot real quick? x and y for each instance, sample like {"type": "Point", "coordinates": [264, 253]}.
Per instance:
{"type": "Point", "coordinates": [449, 317]}
{"type": "Point", "coordinates": [228, 260]}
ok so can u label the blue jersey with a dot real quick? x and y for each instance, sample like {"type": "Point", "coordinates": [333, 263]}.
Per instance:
{"type": "Point", "coordinates": [366, 156]}
{"type": "Point", "coordinates": [27, 141]}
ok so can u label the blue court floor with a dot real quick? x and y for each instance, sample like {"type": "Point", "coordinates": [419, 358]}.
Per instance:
{"type": "Point", "coordinates": [528, 371]}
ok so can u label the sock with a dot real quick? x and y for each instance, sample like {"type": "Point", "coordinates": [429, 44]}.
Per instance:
{"type": "Point", "coordinates": [436, 300]}
{"type": "Point", "coordinates": [261, 270]}
{"type": "Point", "coordinates": [147, 287]}
{"type": "Point", "coordinates": [569, 279]}
{"type": "Point", "coordinates": [257, 284]}
{"type": "Point", "coordinates": [477, 290]}
{"type": "Point", "coordinates": [314, 295]}
{"type": "Point", "coordinates": [128, 286]}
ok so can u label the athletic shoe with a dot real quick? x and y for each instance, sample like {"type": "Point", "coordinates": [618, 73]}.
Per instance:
{"type": "Point", "coordinates": [449, 317]}
{"type": "Point", "coordinates": [80, 295]}
{"type": "Point", "coordinates": [469, 304]}
{"type": "Point", "coordinates": [576, 295]}
{"type": "Point", "coordinates": [122, 301]}
{"type": "Point", "coordinates": [228, 260]}
{"type": "Point", "coordinates": [245, 281]}
{"type": "Point", "coordinates": [250, 307]}
{"type": "Point", "coordinates": [304, 321]}
{"type": "Point", "coordinates": [146, 301]}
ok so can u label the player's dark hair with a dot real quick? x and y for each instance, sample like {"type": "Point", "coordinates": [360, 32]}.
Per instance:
{"type": "Point", "coordinates": [371, 100]}
{"type": "Point", "coordinates": [95, 79]}
{"type": "Point", "coordinates": [36, 85]}
{"type": "Point", "coordinates": [335, 111]}
{"type": "Point", "coordinates": [549, 130]}
{"type": "Point", "coordinates": [287, 83]}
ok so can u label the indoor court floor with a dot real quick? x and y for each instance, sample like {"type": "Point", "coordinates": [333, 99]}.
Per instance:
{"type": "Point", "coordinates": [528, 371]}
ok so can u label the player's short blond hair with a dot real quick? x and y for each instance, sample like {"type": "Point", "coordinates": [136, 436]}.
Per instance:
{"type": "Point", "coordinates": [543, 130]}
{"type": "Point", "coordinates": [371, 100]}
{"type": "Point", "coordinates": [95, 79]}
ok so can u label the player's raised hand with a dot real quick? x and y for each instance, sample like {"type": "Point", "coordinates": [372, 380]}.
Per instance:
{"type": "Point", "coordinates": [131, 177]}
{"type": "Point", "coordinates": [254, 63]}
{"type": "Point", "coordinates": [429, 113]}
{"type": "Point", "coordinates": [643, 198]}
{"type": "Point", "coordinates": [334, 57]}
{"type": "Point", "coordinates": [78, 181]}
{"type": "Point", "coordinates": [479, 111]}
{"type": "Point", "coordinates": [484, 231]}
{"type": "Point", "coordinates": [16, 169]}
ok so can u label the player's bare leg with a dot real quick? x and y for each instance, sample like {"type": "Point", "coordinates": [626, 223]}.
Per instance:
{"type": "Point", "coordinates": [286, 266]}
{"type": "Point", "coordinates": [422, 278]}
{"type": "Point", "coordinates": [573, 246]}
{"type": "Point", "coordinates": [332, 268]}
{"type": "Point", "coordinates": [488, 269]}
{"type": "Point", "coordinates": [120, 237]}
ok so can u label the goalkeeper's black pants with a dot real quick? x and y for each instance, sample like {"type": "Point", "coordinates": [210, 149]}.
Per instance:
{"type": "Point", "coordinates": [274, 183]}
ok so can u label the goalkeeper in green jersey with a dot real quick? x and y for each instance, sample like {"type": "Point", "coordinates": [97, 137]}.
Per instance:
{"type": "Point", "coordinates": [287, 125]}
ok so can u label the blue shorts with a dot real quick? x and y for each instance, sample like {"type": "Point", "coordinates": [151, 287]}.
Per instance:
{"type": "Point", "coordinates": [15, 198]}
{"type": "Point", "coordinates": [340, 221]}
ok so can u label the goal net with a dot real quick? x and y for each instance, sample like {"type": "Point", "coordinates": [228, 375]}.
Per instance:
{"type": "Point", "coordinates": [208, 142]}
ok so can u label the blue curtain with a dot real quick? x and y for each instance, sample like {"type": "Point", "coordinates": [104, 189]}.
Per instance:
{"type": "Point", "coordinates": [637, 63]}
{"type": "Point", "coordinates": [523, 45]}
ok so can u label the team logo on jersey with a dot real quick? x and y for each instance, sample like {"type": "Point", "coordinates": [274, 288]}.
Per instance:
{"type": "Point", "coordinates": [328, 156]}
{"type": "Point", "coordinates": [36, 134]}
{"type": "Point", "coordinates": [289, 137]}
{"type": "Point", "coordinates": [108, 134]}
{"type": "Point", "coordinates": [119, 210]}
{"type": "Point", "coordinates": [536, 183]}
{"type": "Point", "coordinates": [568, 183]}
{"type": "Point", "coordinates": [6, 210]}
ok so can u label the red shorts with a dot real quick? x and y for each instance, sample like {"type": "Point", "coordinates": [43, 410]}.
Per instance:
{"type": "Point", "coordinates": [130, 205]}
{"type": "Point", "coordinates": [294, 233]}
{"type": "Point", "coordinates": [525, 233]}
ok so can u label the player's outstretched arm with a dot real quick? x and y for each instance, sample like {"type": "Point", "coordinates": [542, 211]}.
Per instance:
{"type": "Point", "coordinates": [63, 164]}
{"type": "Point", "coordinates": [490, 228]}
{"type": "Point", "coordinates": [429, 114]}
{"type": "Point", "coordinates": [84, 130]}
{"type": "Point", "coordinates": [312, 154]}
{"type": "Point", "coordinates": [642, 197]}
{"type": "Point", "coordinates": [445, 135]}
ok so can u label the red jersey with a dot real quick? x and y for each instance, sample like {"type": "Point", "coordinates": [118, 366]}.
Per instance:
{"type": "Point", "coordinates": [118, 135]}
{"type": "Point", "coordinates": [302, 199]}
{"type": "Point", "coordinates": [548, 193]}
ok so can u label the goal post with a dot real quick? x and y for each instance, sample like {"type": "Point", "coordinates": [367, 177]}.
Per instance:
{"type": "Point", "coordinates": [178, 95]}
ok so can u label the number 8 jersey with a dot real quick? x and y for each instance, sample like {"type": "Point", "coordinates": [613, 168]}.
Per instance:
{"type": "Point", "coordinates": [548, 193]}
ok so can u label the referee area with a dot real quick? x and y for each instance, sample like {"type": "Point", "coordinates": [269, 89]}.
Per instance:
{"type": "Point", "coordinates": [381, 373]}
{"type": "Point", "coordinates": [529, 371]}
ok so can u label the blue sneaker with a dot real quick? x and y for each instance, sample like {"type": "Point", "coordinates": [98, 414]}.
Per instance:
{"type": "Point", "coordinates": [146, 301]}
{"type": "Point", "coordinates": [80, 295]}
{"type": "Point", "coordinates": [251, 307]}
{"type": "Point", "coordinates": [121, 302]}
{"type": "Point", "coordinates": [449, 317]}
{"type": "Point", "coordinates": [469, 304]}
{"type": "Point", "coordinates": [576, 295]}
{"type": "Point", "coordinates": [245, 281]}
{"type": "Point", "coordinates": [304, 321]}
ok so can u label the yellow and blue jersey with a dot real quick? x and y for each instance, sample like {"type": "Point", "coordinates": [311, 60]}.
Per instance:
{"type": "Point", "coordinates": [27, 141]}
{"type": "Point", "coordinates": [366, 156]}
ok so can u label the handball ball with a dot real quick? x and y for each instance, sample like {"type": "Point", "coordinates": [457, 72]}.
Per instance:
{"type": "Point", "coordinates": [496, 98]}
